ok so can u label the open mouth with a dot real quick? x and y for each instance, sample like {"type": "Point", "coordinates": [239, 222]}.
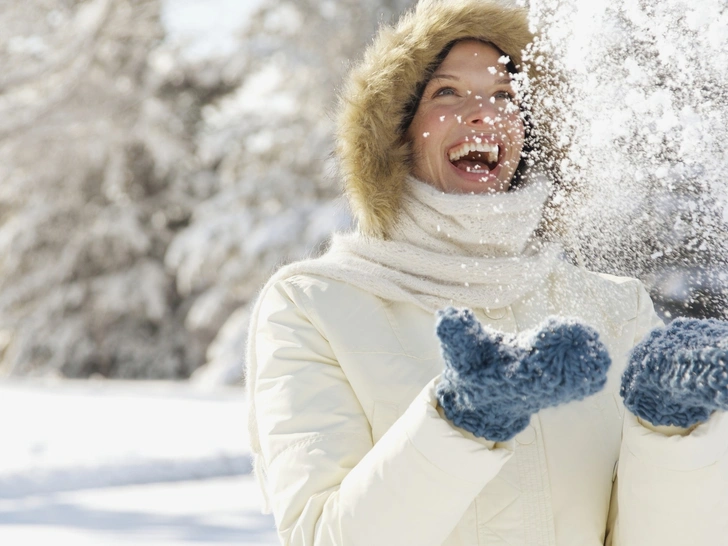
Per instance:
{"type": "Point", "coordinates": [475, 157]}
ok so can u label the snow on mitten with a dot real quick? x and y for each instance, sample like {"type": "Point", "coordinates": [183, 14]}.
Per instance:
{"type": "Point", "coordinates": [678, 375]}
{"type": "Point", "coordinates": [494, 382]}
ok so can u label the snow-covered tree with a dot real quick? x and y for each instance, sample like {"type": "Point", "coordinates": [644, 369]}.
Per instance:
{"type": "Point", "coordinates": [145, 193]}
{"type": "Point", "coordinates": [269, 143]}
{"type": "Point", "coordinates": [89, 160]}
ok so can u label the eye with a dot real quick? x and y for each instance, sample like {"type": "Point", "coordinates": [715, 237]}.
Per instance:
{"type": "Point", "coordinates": [504, 95]}
{"type": "Point", "coordinates": [444, 92]}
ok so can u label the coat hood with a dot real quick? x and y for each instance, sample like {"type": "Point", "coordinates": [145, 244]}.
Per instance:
{"type": "Point", "coordinates": [374, 159]}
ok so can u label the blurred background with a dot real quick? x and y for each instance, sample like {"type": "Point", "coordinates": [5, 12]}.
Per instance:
{"type": "Point", "coordinates": [159, 159]}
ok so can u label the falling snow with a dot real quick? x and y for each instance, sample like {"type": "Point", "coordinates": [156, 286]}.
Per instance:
{"type": "Point", "coordinates": [636, 106]}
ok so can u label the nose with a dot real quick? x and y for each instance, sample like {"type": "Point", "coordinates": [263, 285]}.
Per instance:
{"type": "Point", "coordinates": [480, 111]}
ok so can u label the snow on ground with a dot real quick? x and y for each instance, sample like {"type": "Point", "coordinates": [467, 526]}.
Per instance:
{"type": "Point", "coordinates": [199, 513]}
{"type": "Point", "coordinates": [99, 462]}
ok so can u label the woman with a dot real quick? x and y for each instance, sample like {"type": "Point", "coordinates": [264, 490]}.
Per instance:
{"type": "Point", "coordinates": [351, 441]}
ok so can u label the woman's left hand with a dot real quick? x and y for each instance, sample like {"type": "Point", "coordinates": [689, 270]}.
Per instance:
{"type": "Point", "coordinates": [678, 375]}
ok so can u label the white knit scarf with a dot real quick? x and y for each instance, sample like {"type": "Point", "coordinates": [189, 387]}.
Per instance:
{"type": "Point", "coordinates": [445, 249]}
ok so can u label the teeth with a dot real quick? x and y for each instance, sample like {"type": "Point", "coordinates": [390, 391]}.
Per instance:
{"type": "Point", "coordinates": [491, 150]}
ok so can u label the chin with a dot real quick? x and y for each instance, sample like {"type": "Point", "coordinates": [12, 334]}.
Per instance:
{"type": "Point", "coordinates": [457, 181]}
{"type": "Point", "coordinates": [479, 185]}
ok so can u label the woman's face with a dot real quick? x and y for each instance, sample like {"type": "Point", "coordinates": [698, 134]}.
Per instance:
{"type": "Point", "coordinates": [467, 133]}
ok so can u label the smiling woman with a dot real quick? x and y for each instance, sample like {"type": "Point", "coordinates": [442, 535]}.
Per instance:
{"type": "Point", "coordinates": [381, 415]}
{"type": "Point", "coordinates": [467, 134]}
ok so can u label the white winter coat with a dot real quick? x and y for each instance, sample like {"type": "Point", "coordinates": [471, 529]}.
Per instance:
{"type": "Point", "coordinates": [356, 453]}
{"type": "Point", "coordinates": [345, 426]}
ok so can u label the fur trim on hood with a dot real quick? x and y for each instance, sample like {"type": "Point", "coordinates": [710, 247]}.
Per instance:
{"type": "Point", "coordinates": [374, 158]}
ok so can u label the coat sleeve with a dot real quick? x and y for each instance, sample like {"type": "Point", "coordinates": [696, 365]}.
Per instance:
{"type": "Point", "coordinates": [326, 481]}
{"type": "Point", "coordinates": [672, 484]}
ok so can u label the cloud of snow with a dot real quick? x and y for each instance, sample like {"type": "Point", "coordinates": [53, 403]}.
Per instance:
{"type": "Point", "coordinates": [642, 106]}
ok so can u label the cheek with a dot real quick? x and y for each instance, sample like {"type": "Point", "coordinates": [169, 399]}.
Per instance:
{"type": "Point", "coordinates": [427, 125]}
{"type": "Point", "coordinates": [418, 132]}
{"type": "Point", "coordinates": [517, 130]}
{"type": "Point", "coordinates": [419, 149]}
{"type": "Point", "coordinates": [427, 138]}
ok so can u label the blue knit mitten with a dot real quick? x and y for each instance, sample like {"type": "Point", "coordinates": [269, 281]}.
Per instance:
{"type": "Point", "coordinates": [678, 375]}
{"type": "Point", "coordinates": [494, 382]}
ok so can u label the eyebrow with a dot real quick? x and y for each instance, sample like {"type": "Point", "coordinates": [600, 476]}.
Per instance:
{"type": "Point", "coordinates": [445, 77]}
{"type": "Point", "coordinates": [502, 81]}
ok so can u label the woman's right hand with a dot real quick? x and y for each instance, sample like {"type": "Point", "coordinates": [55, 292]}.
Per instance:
{"type": "Point", "coordinates": [494, 382]}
